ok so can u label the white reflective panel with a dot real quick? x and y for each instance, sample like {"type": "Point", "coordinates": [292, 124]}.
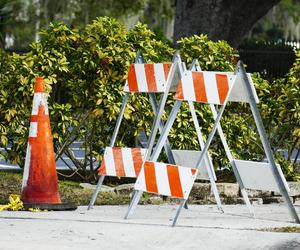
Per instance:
{"type": "Point", "coordinates": [258, 175]}
{"type": "Point", "coordinates": [211, 87]}
{"type": "Point", "coordinates": [128, 162]}
{"type": "Point", "coordinates": [160, 77]}
{"type": "Point", "coordinates": [188, 86]}
{"type": "Point", "coordinates": [162, 180]}
{"type": "Point", "coordinates": [109, 162]}
{"type": "Point", "coordinates": [141, 78]}
{"type": "Point", "coordinates": [189, 158]}
{"type": "Point", "coordinates": [239, 91]}
{"type": "Point", "coordinates": [140, 183]}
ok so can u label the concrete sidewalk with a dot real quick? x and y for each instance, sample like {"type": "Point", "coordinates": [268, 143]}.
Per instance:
{"type": "Point", "coordinates": [199, 227]}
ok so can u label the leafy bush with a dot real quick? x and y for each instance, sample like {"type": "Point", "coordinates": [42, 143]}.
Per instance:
{"type": "Point", "coordinates": [284, 110]}
{"type": "Point", "coordinates": [85, 74]}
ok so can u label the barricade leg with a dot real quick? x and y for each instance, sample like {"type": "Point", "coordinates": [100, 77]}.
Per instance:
{"type": "Point", "coordinates": [135, 200]}
{"type": "Point", "coordinates": [137, 194]}
{"type": "Point", "coordinates": [94, 197]}
{"type": "Point", "coordinates": [247, 201]}
{"type": "Point", "coordinates": [242, 188]}
{"type": "Point", "coordinates": [161, 126]}
{"type": "Point", "coordinates": [208, 162]}
{"type": "Point", "coordinates": [171, 78]}
{"type": "Point", "coordinates": [165, 132]}
{"type": "Point", "coordinates": [213, 183]}
{"type": "Point", "coordinates": [266, 145]}
{"type": "Point", "coordinates": [182, 202]}
{"type": "Point", "coordinates": [112, 142]}
{"type": "Point", "coordinates": [230, 158]}
{"type": "Point", "coordinates": [211, 136]}
{"type": "Point", "coordinates": [217, 196]}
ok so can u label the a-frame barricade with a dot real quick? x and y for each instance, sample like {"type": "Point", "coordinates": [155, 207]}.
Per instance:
{"type": "Point", "coordinates": [166, 178]}
{"type": "Point", "coordinates": [235, 96]}
{"type": "Point", "coordinates": [214, 88]}
{"type": "Point", "coordinates": [143, 77]}
{"type": "Point", "coordinates": [116, 160]}
{"type": "Point", "coordinates": [187, 158]}
{"type": "Point", "coordinates": [265, 176]}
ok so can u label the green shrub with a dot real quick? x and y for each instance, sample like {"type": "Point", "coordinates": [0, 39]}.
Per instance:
{"type": "Point", "coordinates": [85, 74]}
{"type": "Point", "coordinates": [217, 56]}
{"type": "Point", "coordinates": [283, 108]}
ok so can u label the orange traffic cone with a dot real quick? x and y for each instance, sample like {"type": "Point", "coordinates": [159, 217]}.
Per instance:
{"type": "Point", "coordinates": [40, 178]}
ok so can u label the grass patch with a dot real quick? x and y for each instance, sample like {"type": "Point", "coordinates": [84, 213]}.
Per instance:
{"type": "Point", "coordinates": [70, 191]}
{"type": "Point", "coordinates": [282, 229]}
{"type": "Point", "coordinates": [10, 183]}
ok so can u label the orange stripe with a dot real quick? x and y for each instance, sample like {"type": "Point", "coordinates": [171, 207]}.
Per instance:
{"type": "Point", "coordinates": [193, 170]}
{"type": "Point", "coordinates": [174, 181]}
{"type": "Point", "coordinates": [223, 87]}
{"type": "Point", "coordinates": [118, 159]}
{"type": "Point", "coordinates": [39, 85]}
{"type": "Point", "coordinates": [31, 140]}
{"type": "Point", "coordinates": [34, 118]}
{"type": "Point", "coordinates": [179, 91]}
{"type": "Point", "coordinates": [167, 68]}
{"type": "Point", "coordinates": [199, 87]}
{"type": "Point", "coordinates": [150, 76]}
{"type": "Point", "coordinates": [150, 177]}
{"type": "Point", "coordinates": [132, 82]}
{"type": "Point", "coordinates": [137, 160]}
{"type": "Point", "coordinates": [102, 169]}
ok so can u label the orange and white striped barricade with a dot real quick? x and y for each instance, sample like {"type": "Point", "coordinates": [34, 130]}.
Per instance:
{"type": "Point", "coordinates": [218, 89]}
{"type": "Point", "coordinates": [143, 77]}
{"type": "Point", "coordinates": [205, 172]}
{"type": "Point", "coordinates": [166, 179]}
{"type": "Point", "coordinates": [244, 170]}
{"type": "Point", "coordinates": [187, 158]}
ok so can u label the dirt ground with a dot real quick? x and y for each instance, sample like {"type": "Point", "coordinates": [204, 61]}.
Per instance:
{"type": "Point", "coordinates": [199, 227]}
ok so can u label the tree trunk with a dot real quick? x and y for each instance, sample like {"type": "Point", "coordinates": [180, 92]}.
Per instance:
{"type": "Point", "coordinates": [228, 20]}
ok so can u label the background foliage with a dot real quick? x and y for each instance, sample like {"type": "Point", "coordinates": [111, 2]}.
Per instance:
{"type": "Point", "coordinates": [24, 18]}
{"type": "Point", "coordinates": [85, 72]}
